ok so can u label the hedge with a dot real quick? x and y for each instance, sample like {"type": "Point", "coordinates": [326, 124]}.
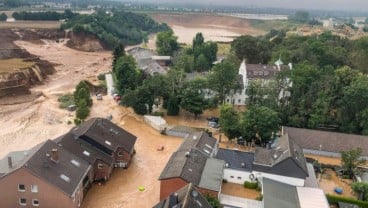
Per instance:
{"type": "Point", "coordinates": [333, 199]}
{"type": "Point", "coordinates": [250, 185]}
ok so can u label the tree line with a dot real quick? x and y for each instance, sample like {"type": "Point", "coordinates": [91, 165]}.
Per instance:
{"type": "Point", "coordinates": [115, 27]}
{"type": "Point", "coordinates": [43, 16]}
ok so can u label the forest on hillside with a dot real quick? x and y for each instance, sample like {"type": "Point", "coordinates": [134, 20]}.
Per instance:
{"type": "Point", "coordinates": [115, 27]}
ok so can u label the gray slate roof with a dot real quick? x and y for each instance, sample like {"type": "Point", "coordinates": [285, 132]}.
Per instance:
{"type": "Point", "coordinates": [236, 160]}
{"type": "Point", "coordinates": [43, 167]}
{"type": "Point", "coordinates": [260, 71]}
{"type": "Point", "coordinates": [83, 149]}
{"type": "Point", "coordinates": [327, 141]}
{"type": "Point", "coordinates": [105, 133]}
{"type": "Point", "coordinates": [200, 141]}
{"type": "Point", "coordinates": [194, 167]}
{"type": "Point", "coordinates": [279, 195]}
{"type": "Point", "coordinates": [189, 167]}
{"type": "Point", "coordinates": [186, 197]}
{"type": "Point", "coordinates": [283, 148]}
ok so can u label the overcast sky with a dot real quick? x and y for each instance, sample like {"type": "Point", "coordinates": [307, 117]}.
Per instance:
{"type": "Point", "coordinates": [360, 5]}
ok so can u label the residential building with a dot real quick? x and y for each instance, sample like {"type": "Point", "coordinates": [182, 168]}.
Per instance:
{"type": "Point", "coordinates": [261, 72]}
{"type": "Point", "coordinates": [283, 162]}
{"type": "Point", "coordinates": [148, 61]}
{"type": "Point", "coordinates": [193, 162]}
{"type": "Point", "coordinates": [102, 163]}
{"type": "Point", "coordinates": [108, 138]}
{"type": "Point", "coordinates": [186, 197]}
{"type": "Point", "coordinates": [45, 176]}
{"type": "Point", "coordinates": [162, 60]}
{"type": "Point", "coordinates": [325, 143]}
{"type": "Point", "coordinates": [281, 195]}
{"type": "Point", "coordinates": [201, 141]}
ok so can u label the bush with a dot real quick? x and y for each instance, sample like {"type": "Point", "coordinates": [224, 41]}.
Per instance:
{"type": "Point", "coordinates": [260, 197]}
{"type": "Point", "coordinates": [66, 100]}
{"type": "Point", "coordinates": [333, 199]}
{"type": "Point", "coordinates": [158, 113]}
{"type": "Point", "coordinates": [101, 77]}
{"type": "Point", "coordinates": [250, 185]}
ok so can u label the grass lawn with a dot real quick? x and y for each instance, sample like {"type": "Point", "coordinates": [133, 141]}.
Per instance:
{"type": "Point", "coordinates": [9, 65]}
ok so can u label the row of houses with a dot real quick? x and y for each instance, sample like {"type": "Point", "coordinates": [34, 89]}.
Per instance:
{"type": "Point", "coordinates": [199, 165]}
{"type": "Point", "coordinates": [58, 173]}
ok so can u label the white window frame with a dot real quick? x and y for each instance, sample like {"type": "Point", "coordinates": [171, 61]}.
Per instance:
{"type": "Point", "coordinates": [100, 166]}
{"type": "Point", "coordinates": [120, 153]}
{"type": "Point", "coordinates": [21, 203]}
{"type": "Point", "coordinates": [34, 188]}
{"type": "Point", "coordinates": [21, 190]}
{"type": "Point", "coordinates": [35, 205]}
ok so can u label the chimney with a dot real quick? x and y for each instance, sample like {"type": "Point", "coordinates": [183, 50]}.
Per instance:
{"type": "Point", "coordinates": [54, 155]}
{"type": "Point", "coordinates": [10, 162]}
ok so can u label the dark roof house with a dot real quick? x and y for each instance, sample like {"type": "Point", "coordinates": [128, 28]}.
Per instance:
{"type": "Point", "coordinates": [237, 160]}
{"type": "Point", "coordinates": [105, 135]}
{"type": "Point", "coordinates": [285, 155]}
{"type": "Point", "coordinates": [200, 141]}
{"type": "Point", "coordinates": [43, 174]}
{"type": "Point", "coordinates": [325, 142]}
{"type": "Point", "coordinates": [186, 197]}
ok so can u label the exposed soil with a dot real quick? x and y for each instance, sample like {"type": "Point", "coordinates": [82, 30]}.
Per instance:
{"type": "Point", "coordinates": [214, 27]}
{"type": "Point", "coordinates": [84, 42]}
{"type": "Point", "coordinates": [238, 190]}
{"type": "Point", "coordinates": [328, 181]}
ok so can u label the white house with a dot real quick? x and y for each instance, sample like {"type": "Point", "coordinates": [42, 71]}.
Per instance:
{"type": "Point", "coordinates": [261, 72]}
{"type": "Point", "coordinates": [284, 162]}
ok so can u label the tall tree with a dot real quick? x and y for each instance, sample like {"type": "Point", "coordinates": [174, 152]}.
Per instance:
{"type": "Point", "coordinates": [350, 160]}
{"type": "Point", "coordinates": [126, 75]}
{"type": "Point", "coordinates": [3, 17]}
{"type": "Point", "coordinates": [166, 43]}
{"type": "Point", "coordinates": [198, 41]}
{"type": "Point", "coordinates": [230, 121]}
{"type": "Point", "coordinates": [223, 79]}
{"type": "Point", "coordinates": [193, 98]}
{"type": "Point", "coordinates": [119, 51]}
{"type": "Point", "coordinates": [259, 123]}
{"type": "Point", "coordinates": [246, 47]}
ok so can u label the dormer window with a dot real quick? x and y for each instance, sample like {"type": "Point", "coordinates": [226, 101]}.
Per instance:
{"type": "Point", "coordinates": [65, 178]}
{"type": "Point", "coordinates": [108, 142]}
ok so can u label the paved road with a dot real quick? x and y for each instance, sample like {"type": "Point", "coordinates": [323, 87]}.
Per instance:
{"type": "Point", "coordinates": [110, 84]}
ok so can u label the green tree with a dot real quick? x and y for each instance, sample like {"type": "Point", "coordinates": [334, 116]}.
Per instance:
{"type": "Point", "coordinates": [245, 47]}
{"type": "Point", "coordinates": [214, 202]}
{"type": "Point", "coordinates": [193, 99]}
{"type": "Point", "coordinates": [361, 188]}
{"type": "Point", "coordinates": [185, 61]}
{"type": "Point", "coordinates": [173, 106]}
{"type": "Point", "coordinates": [210, 51]}
{"type": "Point", "coordinates": [166, 43]}
{"type": "Point", "coordinates": [201, 63]}
{"type": "Point", "coordinates": [260, 123]}
{"type": "Point", "coordinates": [223, 79]}
{"type": "Point", "coordinates": [230, 121]}
{"type": "Point", "coordinates": [350, 160]}
{"type": "Point", "coordinates": [198, 41]}
{"type": "Point", "coordinates": [126, 75]}
{"type": "Point", "coordinates": [3, 17]}
{"type": "Point", "coordinates": [82, 110]}
{"type": "Point", "coordinates": [82, 93]}
{"type": "Point", "coordinates": [118, 52]}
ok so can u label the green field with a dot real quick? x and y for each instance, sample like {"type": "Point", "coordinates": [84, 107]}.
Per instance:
{"type": "Point", "coordinates": [10, 65]}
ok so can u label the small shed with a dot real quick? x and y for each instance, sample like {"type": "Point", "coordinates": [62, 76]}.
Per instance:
{"type": "Point", "coordinates": [157, 122]}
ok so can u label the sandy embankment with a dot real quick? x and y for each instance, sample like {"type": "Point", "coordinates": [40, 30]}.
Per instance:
{"type": "Point", "coordinates": [26, 124]}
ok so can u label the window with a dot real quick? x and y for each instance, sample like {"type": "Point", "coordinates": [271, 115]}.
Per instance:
{"type": "Point", "coordinates": [100, 166]}
{"type": "Point", "coordinates": [86, 153]}
{"type": "Point", "coordinates": [35, 202]}
{"type": "Point", "coordinates": [239, 101]}
{"type": "Point", "coordinates": [23, 202]}
{"type": "Point", "coordinates": [239, 178]}
{"type": "Point", "coordinates": [76, 163]}
{"type": "Point", "coordinates": [231, 176]}
{"type": "Point", "coordinates": [120, 154]}
{"type": "Point", "coordinates": [21, 187]}
{"type": "Point", "coordinates": [108, 142]}
{"type": "Point", "coordinates": [34, 188]}
{"type": "Point", "coordinates": [65, 178]}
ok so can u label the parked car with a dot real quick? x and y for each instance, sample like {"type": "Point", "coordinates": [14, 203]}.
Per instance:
{"type": "Point", "coordinates": [99, 97]}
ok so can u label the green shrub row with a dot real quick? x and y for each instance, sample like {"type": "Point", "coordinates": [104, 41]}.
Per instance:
{"type": "Point", "coordinates": [250, 185]}
{"type": "Point", "coordinates": [333, 199]}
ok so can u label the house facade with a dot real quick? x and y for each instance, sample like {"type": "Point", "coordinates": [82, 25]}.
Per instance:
{"type": "Point", "coordinates": [44, 176]}
{"type": "Point", "coordinates": [260, 72]}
